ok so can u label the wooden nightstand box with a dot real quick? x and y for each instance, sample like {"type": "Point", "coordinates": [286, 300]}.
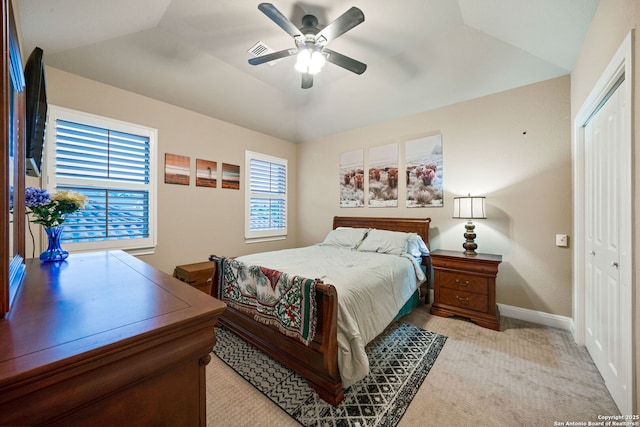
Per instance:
{"type": "Point", "coordinates": [197, 275]}
{"type": "Point", "coordinates": [466, 286]}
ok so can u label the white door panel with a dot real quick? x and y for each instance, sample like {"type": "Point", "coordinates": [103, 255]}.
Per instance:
{"type": "Point", "coordinates": [603, 298]}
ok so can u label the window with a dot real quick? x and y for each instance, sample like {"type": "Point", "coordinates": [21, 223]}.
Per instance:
{"type": "Point", "coordinates": [265, 196]}
{"type": "Point", "coordinates": [113, 164]}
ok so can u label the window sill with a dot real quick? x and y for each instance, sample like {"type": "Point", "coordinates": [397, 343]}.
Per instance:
{"type": "Point", "coordinates": [264, 239]}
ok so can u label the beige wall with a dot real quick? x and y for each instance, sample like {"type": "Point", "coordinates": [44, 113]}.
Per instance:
{"type": "Point", "coordinates": [525, 177]}
{"type": "Point", "coordinates": [193, 222]}
{"type": "Point", "coordinates": [613, 20]}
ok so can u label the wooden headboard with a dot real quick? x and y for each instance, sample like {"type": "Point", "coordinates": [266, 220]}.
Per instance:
{"type": "Point", "coordinates": [407, 225]}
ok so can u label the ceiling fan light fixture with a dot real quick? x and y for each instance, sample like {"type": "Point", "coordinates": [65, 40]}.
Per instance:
{"type": "Point", "coordinates": [302, 60]}
{"type": "Point", "coordinates": [310, 42]}
{"type": "Point", "coordinates": [310, 61]}
{"type": "Point", "coordinates": [317, 62]}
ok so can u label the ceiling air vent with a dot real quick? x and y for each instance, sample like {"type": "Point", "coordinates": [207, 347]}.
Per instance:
{"type": "Point", "coordinates": [260, 49]}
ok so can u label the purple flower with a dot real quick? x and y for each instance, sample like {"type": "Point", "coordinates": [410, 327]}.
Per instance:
{"type": "Point", "coordinates": [35, 197]}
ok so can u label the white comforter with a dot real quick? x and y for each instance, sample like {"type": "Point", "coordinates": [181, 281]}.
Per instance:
{"type": "Point", "coordinates": [371, 287]}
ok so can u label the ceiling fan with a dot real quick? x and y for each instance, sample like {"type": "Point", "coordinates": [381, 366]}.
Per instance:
{"type": "Point", "coordinates": [311, 41]}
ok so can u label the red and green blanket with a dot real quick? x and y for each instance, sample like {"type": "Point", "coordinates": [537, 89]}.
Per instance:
{"type": "Point", "coordinates": [271, 296]}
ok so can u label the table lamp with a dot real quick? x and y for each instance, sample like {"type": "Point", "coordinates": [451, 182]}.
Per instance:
{"type": "Point", "coordinates": [468, 207]}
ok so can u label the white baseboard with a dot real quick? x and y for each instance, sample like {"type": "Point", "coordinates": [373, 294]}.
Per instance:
{"type": "Point", "coordinates": [540, 317]}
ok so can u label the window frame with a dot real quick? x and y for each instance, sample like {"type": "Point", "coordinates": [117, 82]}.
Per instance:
{"type": "Point", "coordinates": [252, 236]}
{"type": "Point", "coordinates": [141, 246]}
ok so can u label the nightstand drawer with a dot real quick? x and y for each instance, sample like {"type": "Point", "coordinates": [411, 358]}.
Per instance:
{"type": "Point", "coordinates": [468, 300]}
{"type": "Point", "coordinates": [193, 277]}
{"type": "Point", "coordinates": [197, 275]}
{"type": "Point", "coordinates": [464, 282]}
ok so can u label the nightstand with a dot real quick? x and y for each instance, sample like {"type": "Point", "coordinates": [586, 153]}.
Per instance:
{"type": "Point", "coordinates": [198, 275]}
{"type": "Point", "coordinates": [465, 285]}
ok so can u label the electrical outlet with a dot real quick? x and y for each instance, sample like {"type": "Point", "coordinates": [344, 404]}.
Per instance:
{"type": "Point", "coordinates": [562, 240]}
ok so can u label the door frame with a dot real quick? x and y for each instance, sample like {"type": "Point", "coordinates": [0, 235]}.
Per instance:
{"type": "Point", "coordinates": [621, 64]}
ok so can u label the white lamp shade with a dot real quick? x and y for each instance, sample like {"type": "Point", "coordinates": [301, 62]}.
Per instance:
{"type": "Point", "coordinates": [469, 207]}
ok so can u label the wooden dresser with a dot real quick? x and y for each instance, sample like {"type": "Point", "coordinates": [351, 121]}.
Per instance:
{"type": "Point", "coordinates": [466, 286]}
{"type": "Point", "coordinates": [104, 339]}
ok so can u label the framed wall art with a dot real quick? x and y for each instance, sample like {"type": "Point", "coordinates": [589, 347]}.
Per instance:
{"type": "Point", "coordinates": [177, 169]}
{"type": "Point", "coordinates": [424, 172]}
{"type": "Point", "coordinates": [352, 179]}
{"type": "Point", "coordinates": [206, 173]}
{"type": "Point", "coordinates": [230, 176]}
{"type": "Point", "coordinates": [383, 176]}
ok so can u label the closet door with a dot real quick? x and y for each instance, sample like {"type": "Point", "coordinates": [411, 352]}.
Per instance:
{"type": "Point", "coordinates": [606, 319]}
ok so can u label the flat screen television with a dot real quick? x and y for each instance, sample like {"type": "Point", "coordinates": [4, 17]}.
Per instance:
{"type": "Point", "coordinates": [36, 117]}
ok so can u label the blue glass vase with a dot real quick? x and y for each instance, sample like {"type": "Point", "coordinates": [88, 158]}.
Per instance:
{"type": "Point", "coordinates": [54, 251]}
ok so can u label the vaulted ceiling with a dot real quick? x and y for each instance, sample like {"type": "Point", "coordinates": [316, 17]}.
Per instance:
{"type": "Point", "coordinates": [420, 54]}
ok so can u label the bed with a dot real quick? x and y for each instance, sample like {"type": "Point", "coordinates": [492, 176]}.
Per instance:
{"type": "Point", "coordinates": [334, 349]}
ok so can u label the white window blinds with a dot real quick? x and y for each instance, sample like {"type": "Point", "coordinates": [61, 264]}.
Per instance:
{"type": "Point", "coordinates": [91, 152]}
{"type": "Point", "coordinates": [111, 163]}
{"type": "Point", "coordinates": [266, 196]}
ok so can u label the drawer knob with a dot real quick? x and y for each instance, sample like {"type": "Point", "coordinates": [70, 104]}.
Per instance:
{"type": "Point", "coordinates": [463, 300]}
{"type": "Point", "coordinates": [465, 283]}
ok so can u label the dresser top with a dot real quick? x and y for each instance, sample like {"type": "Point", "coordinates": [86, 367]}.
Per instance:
{"type": "Point", "coordinates": [89, 302]}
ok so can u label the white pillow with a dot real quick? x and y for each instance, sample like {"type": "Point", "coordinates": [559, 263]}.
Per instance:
{"type": "Point", "coordinates": [345, 237]}
{"type": "Point", "coordinates": [386, 242]}
{"type": "Point", "coordinates": [417, 248]}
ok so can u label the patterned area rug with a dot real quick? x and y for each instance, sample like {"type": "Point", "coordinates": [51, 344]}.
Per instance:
{"type": "Point", "coordinates": [399, 360]}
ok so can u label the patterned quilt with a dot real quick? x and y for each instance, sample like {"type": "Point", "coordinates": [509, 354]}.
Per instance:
{"type": "Point", "coordinates": [271, 296]}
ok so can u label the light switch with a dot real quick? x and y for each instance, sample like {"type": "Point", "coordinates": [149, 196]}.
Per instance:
{"type": "Point", "coordinates": [562, 240]}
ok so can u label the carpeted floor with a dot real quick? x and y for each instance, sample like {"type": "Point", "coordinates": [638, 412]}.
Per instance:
{"type": "Point", "coordinates": [524, 375]}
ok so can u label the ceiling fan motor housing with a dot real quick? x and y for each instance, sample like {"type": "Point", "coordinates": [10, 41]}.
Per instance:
{"type": "Point", "coordinates": [309, 22]}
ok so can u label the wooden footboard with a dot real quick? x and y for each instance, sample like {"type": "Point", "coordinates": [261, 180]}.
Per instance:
{"type": "Point", "coordinates": [317, 363]}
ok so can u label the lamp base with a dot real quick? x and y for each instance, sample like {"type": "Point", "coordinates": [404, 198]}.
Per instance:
{"type": "Point", "coordinates": [470, 245]}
